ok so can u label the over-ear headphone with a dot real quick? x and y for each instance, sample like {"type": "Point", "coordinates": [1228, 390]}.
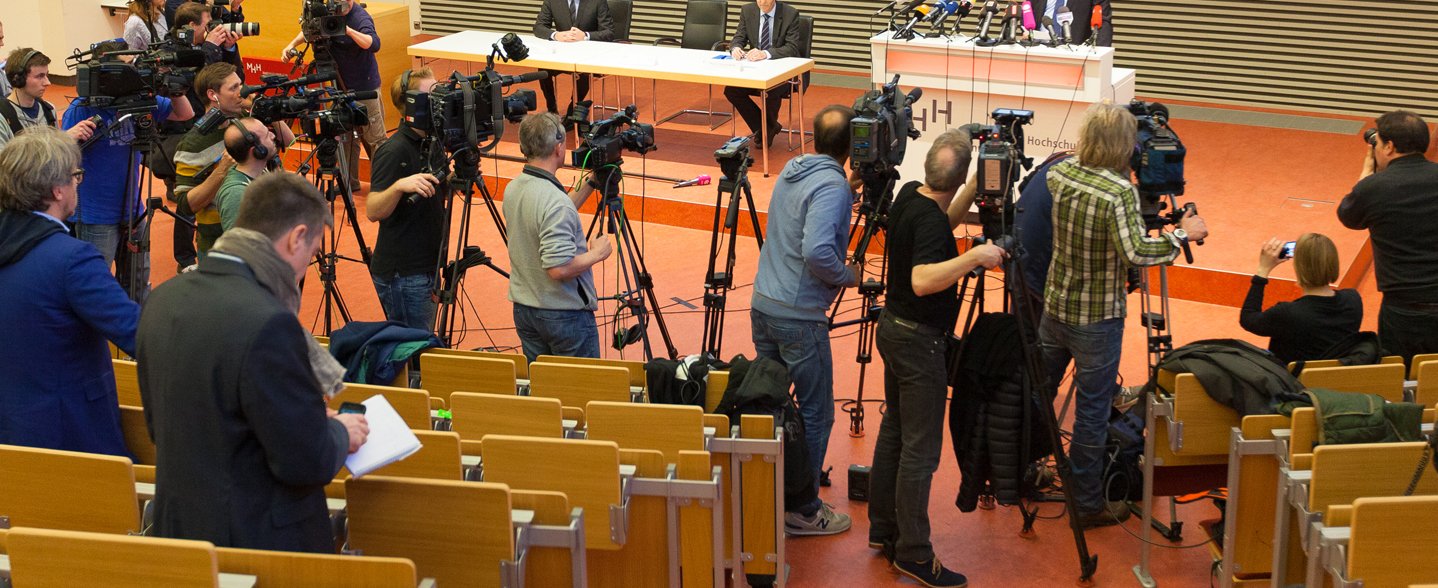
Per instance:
{"type": "Point", "coordinates": [15, 73]}
{"type": "Point", "coordinates": [404, 81]}
{"type": "Point", "coordinates": [626, 336]}
{"type": "Point", "coordinates": [251, 142]}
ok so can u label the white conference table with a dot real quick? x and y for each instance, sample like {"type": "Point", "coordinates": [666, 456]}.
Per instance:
{"type": "Point", "coordinates": [651, 62]}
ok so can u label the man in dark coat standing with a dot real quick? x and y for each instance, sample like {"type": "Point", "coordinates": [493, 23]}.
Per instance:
{"type": "Point", "coordinates": [570, 21]}
{"type": "Point", "coordinates": [768, 29]}
{"type": "Point", "coordinates": [233, 395]}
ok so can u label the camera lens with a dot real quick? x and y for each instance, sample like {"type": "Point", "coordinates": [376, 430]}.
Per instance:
{"type": "Point", "coordinates": [1370, 136]}
{"type": "Point", "coordinates": [243, 29]}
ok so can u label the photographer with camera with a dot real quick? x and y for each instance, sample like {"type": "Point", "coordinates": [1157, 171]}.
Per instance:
{"type": "Point", "coordinates": [251, 145]}
{"type": "Point", "coordinates": [100, 218]}
{"type": "Point", "coordinates": [1396, 199]}
{"type": "Point", "coordinates": [353, 55]}
{"type": "Point", "coordinates": [919, 314]}
{"type": "Point", "coordinates": [28, 72]}
{"type": "Point", "coordinates": [411, 219]}
{"type": "Point", "coordinates": [218, 42]}
{"type": "Point", "coordinates": [1309, 327]}
{"type": "Point", "coordinates": [1098, 234]}
{"type": "Point", "coordinates": [201, 163]}
{"type": "Point", "coordinates": [550, 282]}
{"type": "Point", "coordinates": [801, 270]}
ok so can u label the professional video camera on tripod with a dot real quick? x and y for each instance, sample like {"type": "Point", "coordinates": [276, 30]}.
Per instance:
{"type": "Point", "coordinates": [464, 117]}
{"type": "Point", "coordinates": [879, 136]}
{"type": "Point", "coordinates": [734, 161]}
{"type": "Point", "coordinates": [600, 153]}
{"type": "Point", "coordinates": [128, 94]}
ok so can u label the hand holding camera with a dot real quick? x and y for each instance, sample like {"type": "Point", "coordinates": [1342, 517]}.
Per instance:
{"type": "Point", "coordinates": [1273, 253]}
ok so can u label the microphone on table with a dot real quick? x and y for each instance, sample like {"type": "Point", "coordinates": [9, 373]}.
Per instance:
{"type": "Point", "coordinates": [941, 11]}
{"type": "Point", "coordinates": [1028, 12]}
{"type": "Point", "coordinates": [702, 180]}
{"type": "Point", "coordinates": [1063, 21]}
{"type": "Point", "coordinates": [1012, 21]}
{"type": "Point", "coordinates": [886, 7]}
{"type": "Point", "coordinates": [1095, 22]}
{"type": "Point", "coordinates": [919, 12]}
{"type": "Point", "coordinates": [991, 8]}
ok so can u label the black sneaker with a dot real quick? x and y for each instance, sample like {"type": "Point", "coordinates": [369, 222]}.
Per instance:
{"type": "Point", "coordinates": [931, 573]}
{"type": "Point", "coordinates": [1113, 513]}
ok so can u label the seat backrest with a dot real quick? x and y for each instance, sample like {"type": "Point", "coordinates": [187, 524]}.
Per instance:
{"type": "Point", "coordinates": [706, 22]}
{"type": "Point", "coordinates": [137, 434]}
{"type": "Point", "coordinates": [1392, 540]}
{"type": "Point", "coordinates": [578, 385]}
{"type": "Point", "coordinates": [477, 415]}
{"type": "Point", "coordinates": [1206, 422]}
{"type": "Point", "coordinates": [437, 459]}
{"type": "Point", "coordinates": [127, 383]}
{"type": "Point", "coordinates": [586, 471]}
{"type": "Point", "coordinates": [621, 11]}
{"type": "Point", "coordinates": [521, 363]}
{"type": "Point", "coordinates": [315, 570]}
{"type": "Point", "coordinates": [444, 374]}
{"type": "Point", "coordinates": [806, 35]}
{"type": "Point", "coordinates": [455, 532]}
{"type": "Point", "coordinates": [1427, 390]}
{"type": "Point", "coordinates": [1417, 362]}
{"type": "Point", "coordinates": [411, 404]}
{"type": "Point", "coordinates": [661, 427]}
{"type": "Point", "coordinates": [1344, 473]}
{"type": "Point", "coordinates": [67, 490]}
{"type": "Point", "coordinates": [637, 376]}
{"type": "Point", "coordinates": [46, 557]}
{"type": "Point", "coordinates": [1383, 379]}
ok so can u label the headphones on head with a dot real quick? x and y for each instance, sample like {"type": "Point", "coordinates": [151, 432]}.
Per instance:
{"type": "Point", "coordinates": [251, 142]}
{"type": "Point", "coordinates": [16, 73]}
{"type": "Point", "coordinates": [404, 81]}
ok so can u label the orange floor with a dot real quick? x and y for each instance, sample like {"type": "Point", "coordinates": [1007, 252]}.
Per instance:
{"type": "Point", "coordinates": [1247, 181]}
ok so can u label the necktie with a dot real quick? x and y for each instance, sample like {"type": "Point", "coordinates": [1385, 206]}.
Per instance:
{"type": "Point", "coordinates": [764, 34]}
{"type": "Point", "coordinates": [573, 12]}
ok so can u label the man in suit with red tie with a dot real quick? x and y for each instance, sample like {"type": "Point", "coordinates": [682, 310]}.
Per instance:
{"type": "Point", "coordinates": [768, 29]}
{"type": "Point", "coordinates": [570, 21]}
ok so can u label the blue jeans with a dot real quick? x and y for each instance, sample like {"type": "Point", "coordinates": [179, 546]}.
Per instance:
{"type": "Point", "coordinates": [911, 436]}
{"type": "Point", "coordinates": [407, 299]}
{"type": "Point", "coordinates": [803, 348]}
{"type": "Point", "coordinates": [570, 333]}
{"type": "Point", "coordinates": [1095, 350]}
{"type": "Point", "coordinates": [112, 241]}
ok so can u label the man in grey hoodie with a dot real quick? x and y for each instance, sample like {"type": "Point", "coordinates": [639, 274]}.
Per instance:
{"type": "Point", "coordinates": [801, 269]}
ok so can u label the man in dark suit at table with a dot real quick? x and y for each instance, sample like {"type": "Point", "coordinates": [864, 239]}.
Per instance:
{"type": "Point", "coordinates": [768, 29]}
{"type": "Point", "coordinates": [1082, 11]}
{"type": "Point", "coordinates": [234, 388]}
{"type": "Point", "coordinates": [569, 21]}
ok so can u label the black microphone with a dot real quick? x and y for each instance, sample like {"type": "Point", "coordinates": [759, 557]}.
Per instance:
{"type": "Point", "coordinates": [991, 8]}
{"type": "Point", "coordinates": [365, 94]}
{"type": "Point", "coordinates": [886, 7]}
{"type": "Point", "coordinates": [1063, 20]}
{"type": "Point", "coordinates": [533, 76]}
{"type": "Point", "coordinates": [309, 80]}
{"type": "Point", "coordinates": [1013, 19]}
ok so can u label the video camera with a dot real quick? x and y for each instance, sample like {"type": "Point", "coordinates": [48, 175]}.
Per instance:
{"type": "Point", "coordinates": [219, 13]}
{"type": "Point", "coordinates": [1001, 155]}
{"type": "Point", "coordinates": [105, 80]}
{"type": "Point", "coordinates": [879, 135]}
{"type": "Point", "coordinates": [604, 143]}
{"type": "Point", "coordinates": [322, 21]}
{"type": "Point", "coordinates": [734, 160]}
{"type": "Point", "coordinates": [270, 107]}
{"type": "Point", "coordinates": [467, 113]}
{"type": "Point", "coordinates": [1158, 159]}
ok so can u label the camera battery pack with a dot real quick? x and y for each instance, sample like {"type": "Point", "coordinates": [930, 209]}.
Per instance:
{"type": "Point", "coordinates": [859, 482]}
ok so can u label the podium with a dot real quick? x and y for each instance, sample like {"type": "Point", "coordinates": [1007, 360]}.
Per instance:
{"type": "Point", "coordinates": [963, 83]}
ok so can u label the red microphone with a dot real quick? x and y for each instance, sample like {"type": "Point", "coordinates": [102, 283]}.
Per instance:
{"type": "Point", "coordinates": [1095, 22]}
{"type": "Point", "coordinates": [702, 180]}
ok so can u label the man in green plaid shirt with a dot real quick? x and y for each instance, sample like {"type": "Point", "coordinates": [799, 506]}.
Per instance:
{"type": "Point", "coordinates": [1098, 234]}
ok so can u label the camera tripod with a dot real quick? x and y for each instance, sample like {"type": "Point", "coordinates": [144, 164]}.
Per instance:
{"type": "Point", "coordinates": [332, 181]}
{"type": "Point", "coordinates": [638, 283]}
{"type": "Point", "coordinates": [717, 284]}
{"type": "Point", "coordinates": [449, 272]}
{"type": "Point", "coordinates": [1018, 300]}
{"type": "Point", "coordinates": [872, 218]}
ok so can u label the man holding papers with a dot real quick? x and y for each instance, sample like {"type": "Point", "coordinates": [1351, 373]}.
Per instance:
{"type": "Point", "coordinates": [234, 388]}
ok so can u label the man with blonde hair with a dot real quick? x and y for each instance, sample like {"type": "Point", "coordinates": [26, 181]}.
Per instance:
{"type": "Point", "coordinates": [919, 315]}
{"type": "Point", "coordinates": [1098, 234]}
{"type": "Point", "coordinates": [550, 282]}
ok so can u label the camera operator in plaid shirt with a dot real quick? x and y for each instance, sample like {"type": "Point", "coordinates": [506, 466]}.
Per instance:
{"type": "Point", "coordinates": [1098, 234]}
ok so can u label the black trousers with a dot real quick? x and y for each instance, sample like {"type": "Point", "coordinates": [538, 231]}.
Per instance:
{"type": "Point", "coordinates": [546, 85]}
{"type": "Point", "coordinates": [1408, 330]}
{"type": "Point", "coordinates": [184, 238]}
{"type": "Point", "coordinates": [749, 110]}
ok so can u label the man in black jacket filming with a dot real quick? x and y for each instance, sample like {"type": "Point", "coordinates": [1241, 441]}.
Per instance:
{"type": "Point", "coordinates": [1396, 199]}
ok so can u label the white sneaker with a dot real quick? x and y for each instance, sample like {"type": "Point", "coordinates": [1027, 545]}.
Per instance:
{"type": "Point", "coordinates": [823, 522]}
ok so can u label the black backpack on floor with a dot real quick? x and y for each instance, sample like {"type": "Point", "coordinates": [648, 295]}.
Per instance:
{"type": "Point", "coordinates": [762, 387]}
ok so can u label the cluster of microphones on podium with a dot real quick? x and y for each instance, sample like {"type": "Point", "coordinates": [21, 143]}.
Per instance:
{"type": "Point", "coordinates": [1016, 24]}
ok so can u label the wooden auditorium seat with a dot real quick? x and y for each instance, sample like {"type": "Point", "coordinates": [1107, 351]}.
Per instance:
{"type": "Point", "coordinates": [411, 404]}
{"type": "Point", "coordinates": [475, 415]}
{"type": "Point", "coordinates": [279, 569]}
{"type": "Point", "coordinates": [637, 377]}
{"type": "Point", "coordinates": [444, 374]}
{"type": "Point", "coordinates": [577, 385]}
{"type": "Point", "coordinates": [1391, 543]}
{"type": "Point", "coordinates": [66, 490]}
{"type": "Point", "coordinates": [1384, 379]}
{"type": "Point", "coordinates": [127, 383]}
{"type": "Point", "coordinates": [44, 558]}
{"type": "Point", "coordinates": [521, 363]}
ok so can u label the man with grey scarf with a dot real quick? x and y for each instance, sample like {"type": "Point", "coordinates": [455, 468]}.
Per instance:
{"type": "Point", "coordinates": [234, 388]}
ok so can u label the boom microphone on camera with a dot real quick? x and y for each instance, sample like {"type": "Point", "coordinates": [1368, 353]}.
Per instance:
{"type": "Point", "coordinates": [533, 76]}
{"type": "Point", "coordinates": [309, 80]}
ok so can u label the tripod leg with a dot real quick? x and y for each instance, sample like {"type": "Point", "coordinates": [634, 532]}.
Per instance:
{"type": "Point", "coordinates": [645, 282]}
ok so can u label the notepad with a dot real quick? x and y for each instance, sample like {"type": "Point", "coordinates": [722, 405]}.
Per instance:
{"type": "Point", "coordinates": [389, 441]}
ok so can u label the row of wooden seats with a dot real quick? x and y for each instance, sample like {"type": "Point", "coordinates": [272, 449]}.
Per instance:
{"type": "Point", "coordinates": [1187, 448]}
{"type": "Point", "coordinates": [43, 558]}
